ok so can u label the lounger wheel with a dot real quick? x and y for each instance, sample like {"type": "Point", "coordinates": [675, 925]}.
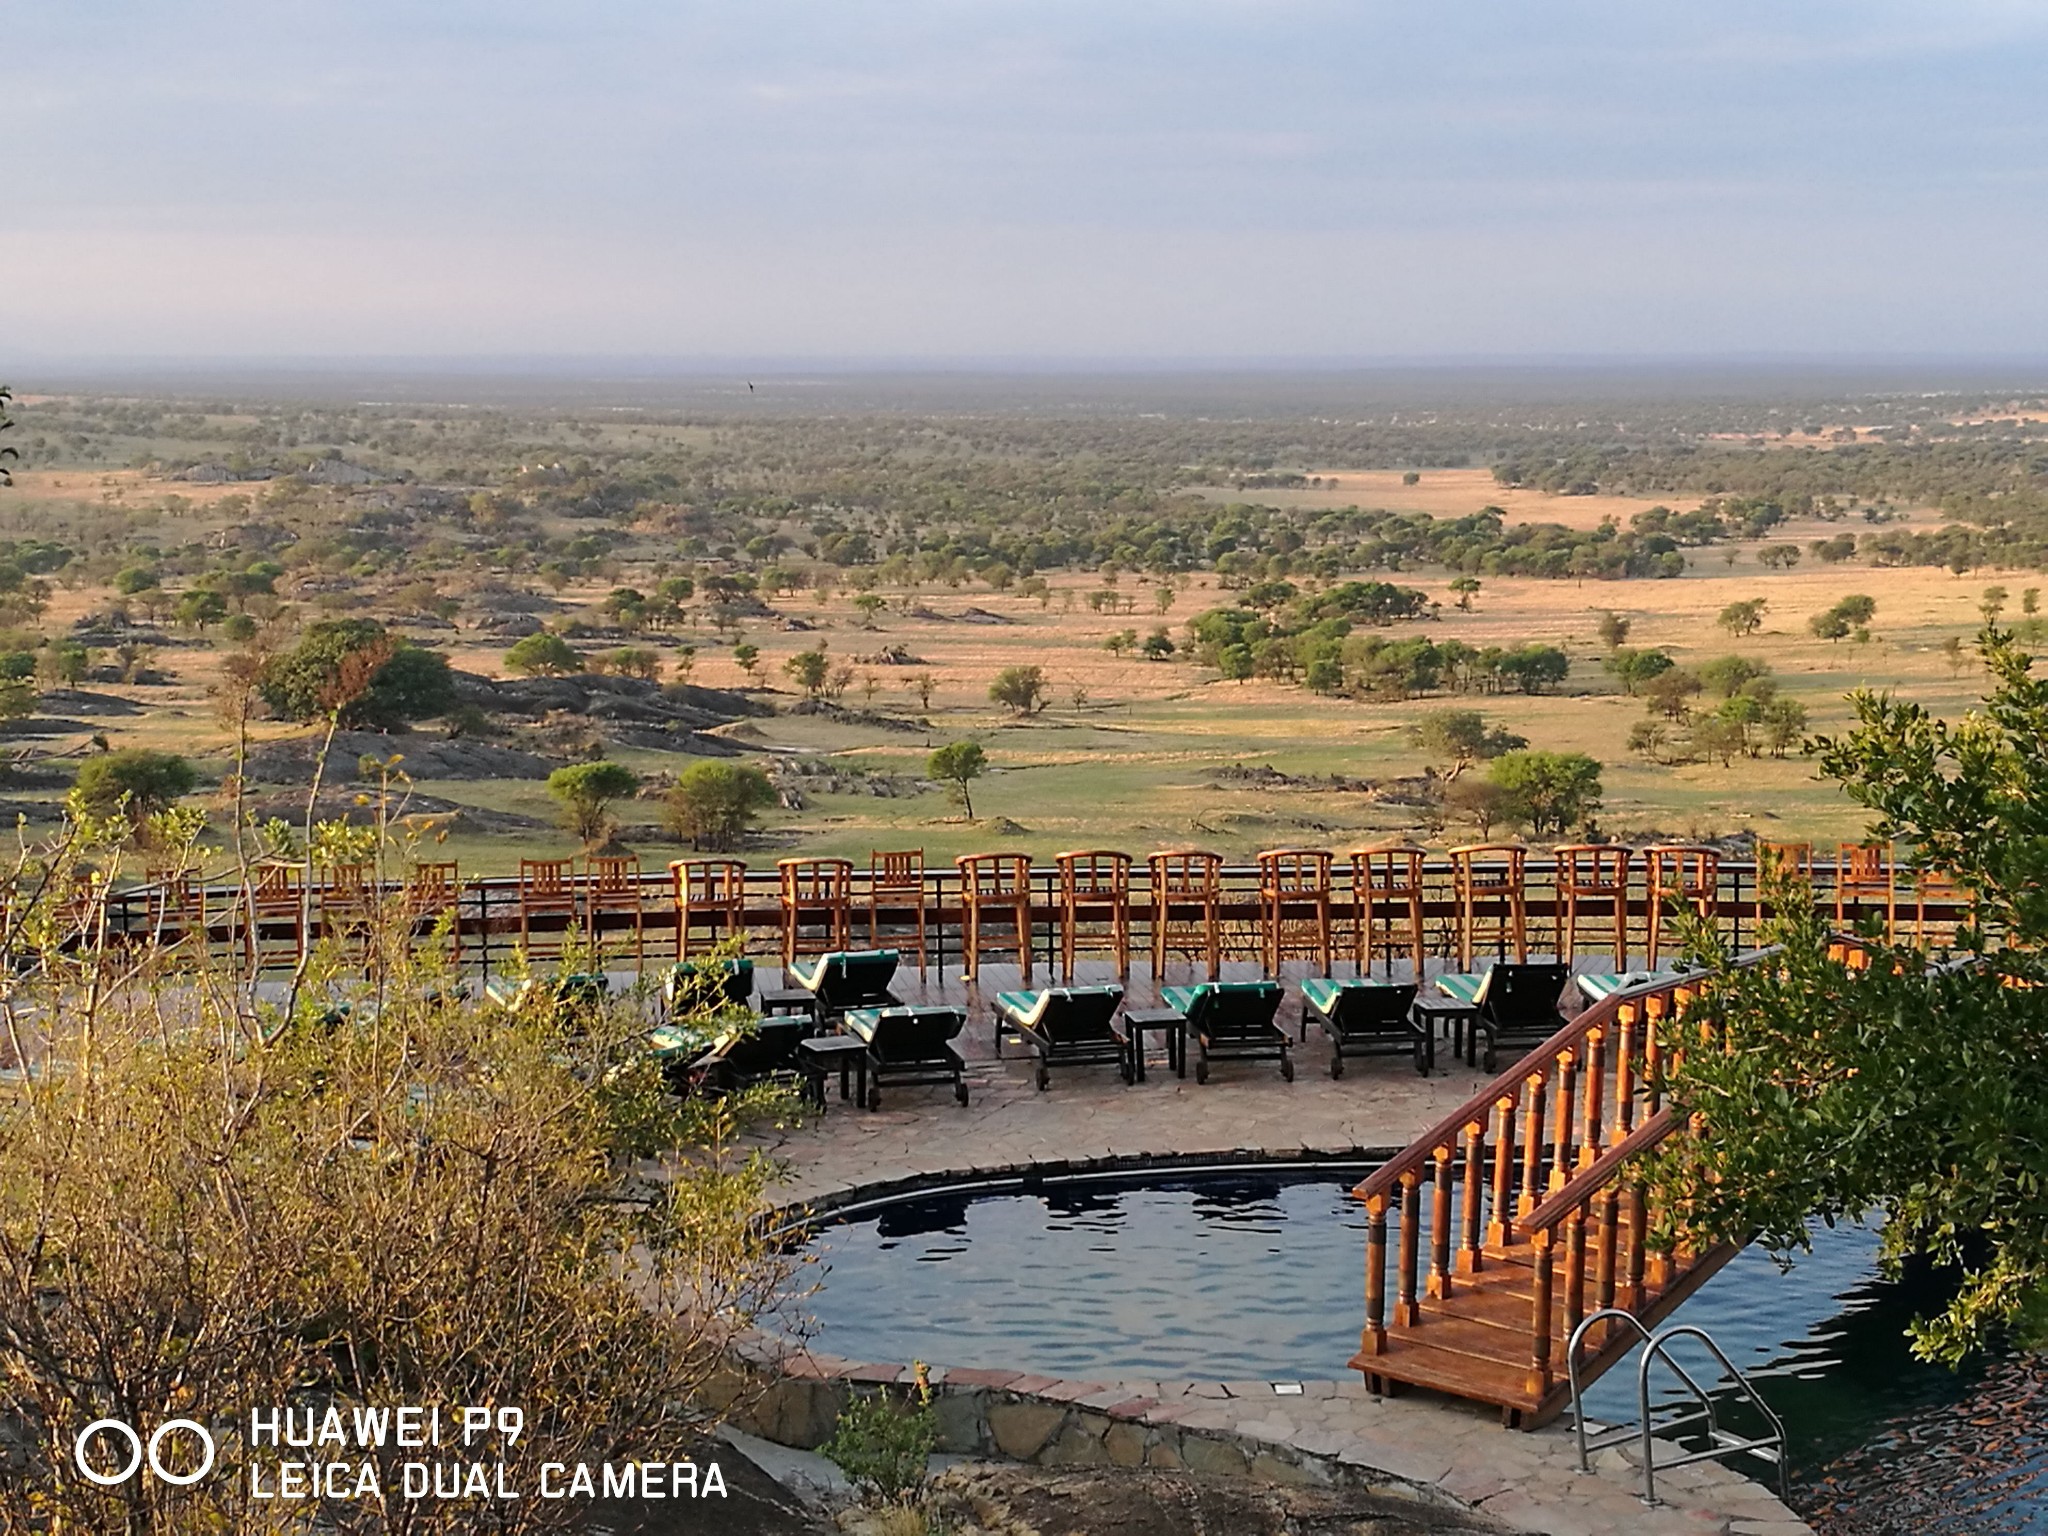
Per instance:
{"type": "Point", "coordinates": [1336, 1063]}
{"type": "Point", "coordinates": [1202, 1069]}
{"type": "Point", "coordinates": [960, 1088]}
{"type": "Point", "coordinates": [1287, 1066]}
{"type": "Point", "coordinates": [1044, 1079]}
{"type": "Point", "coordinates": [1486, 1061]}
{"type": "Point", "coordinates": [875, 1096]}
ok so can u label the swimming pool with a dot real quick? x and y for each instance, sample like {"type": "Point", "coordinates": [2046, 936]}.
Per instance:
{"type": "Point", "coordinates": [1256, 1274]}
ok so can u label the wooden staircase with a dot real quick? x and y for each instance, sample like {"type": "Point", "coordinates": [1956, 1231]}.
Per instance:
{"type": "Point", "coordinates": [1523, 1212]}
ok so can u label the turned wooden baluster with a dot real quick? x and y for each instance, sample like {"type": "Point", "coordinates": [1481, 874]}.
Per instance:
{"type": "Point", "coordinates": [1567, 1088]}
{"type": "Point", "coordinates": [1625, 1071]}
{"type": "Point", "coordinates": [1605, 1207]}
{"type": "Point", "coordinates": [1653, 1051]}
{"type": "Point", "coordinates": [1503, 1171]}
{"type": "Point", "coordinates": [1374, 1340]}
{"type": "Point", "coordinates": [1532, 1143]}
{"type": "Point", "coordinates": [1407, 1313]}
{"type": "Point", "coordinates": [1574, 1270]}
{"type": "Point", "coordinates": [1539, 1314]}
{"type": "Point", "coordinates": [1440, 1223]}
{"type": "Point", "coordinates": [1596, 1082]}
{"type": "Point", "coordinates": [1474, 1190]}
{"type": "Point", "coordinates": [1638, 1216]}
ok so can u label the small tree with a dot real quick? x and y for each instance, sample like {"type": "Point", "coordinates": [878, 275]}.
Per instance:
{"type": "Point", "coordinates": [543, 655]}
{"type": "Point", "coordinates": [1458, 738]}
{"type": "Point", "coordinates": [1743, 618]}
{"type": "Point", "coordinates": [1612, 628]}
{"type": "Point", "coordinates": [713, 804]}
{"type": "Point", "coordinates": [135, 781]}
{"type": "Point", "coordinates": [957, 766]}
{"type": "Point", "coordinates": [1467, 588]}
{"type": "Point", "coordinates": [1726, 676]}
{"type": "Point", "coordinates": [1022, 689]}
{"type": "Point", "coordinates": [586, 792]}
{"type": "Point", "coordinates": [353, 666]}
{"type": "Point", "coordinates": [1552, 792]}
{"type": "Point", "coordinates": [869, 605]}
{"type": "Point", "coordinates": [748, 658]}
{"type": "Point", "coordinates": [1479, 801]}
{"type": "Point", "coordinates": [197, 609]}
{"type": "Point", "coordinates": [1992, 603]}
{"type": "Point", "coordinates": [810, 671]}
{"type": "Point", "coordinates": [1633, 668]}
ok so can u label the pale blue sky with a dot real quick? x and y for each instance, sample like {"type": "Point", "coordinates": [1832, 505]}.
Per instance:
{"type": "Point", "coordinates": [1065, 178]}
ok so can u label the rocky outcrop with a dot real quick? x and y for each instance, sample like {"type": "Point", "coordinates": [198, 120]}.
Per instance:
{"type": "Point", "coordinates": [426, 757]}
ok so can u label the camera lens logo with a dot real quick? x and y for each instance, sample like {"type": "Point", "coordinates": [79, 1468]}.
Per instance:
{"type": "Point", "coordinates": [137, 1452]}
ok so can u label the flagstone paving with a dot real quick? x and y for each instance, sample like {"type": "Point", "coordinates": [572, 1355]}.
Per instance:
{"type": "Point", "coordinates": [1527, 1481]}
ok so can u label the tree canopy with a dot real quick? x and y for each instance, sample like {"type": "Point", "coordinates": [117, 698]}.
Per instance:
{"type": "Point", "coordinates": [353, 665]}
{"type": "Point", "coordinates": [1901, 1085]}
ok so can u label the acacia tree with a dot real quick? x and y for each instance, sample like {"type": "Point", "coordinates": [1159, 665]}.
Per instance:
{"type": "Point", "coordinates": [957, 765]}
{"type": "Point", "coordinates": [1893, 1085]}
{"type": "Point", "coordinates": [586, 792]}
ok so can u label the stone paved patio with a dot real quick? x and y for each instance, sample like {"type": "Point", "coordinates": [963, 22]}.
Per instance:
{"type": "Point", "coordinates": [1527, 1481]}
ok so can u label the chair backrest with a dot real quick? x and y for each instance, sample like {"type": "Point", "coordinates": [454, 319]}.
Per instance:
{"type": "Point", "coordinates": [1094, 875]}
{"type": "Point", "coordinates": [1081, 1013]}
{"type": "Point", "coordinates": [1229, 1007]}
{"type": "Point", "coordinates": [345, 885]}
{"type": "Point", "coordinates": [277, 887]}
{"type": "Point", "coordinates": [771, 1046]}
{"type": "Point", "coordinates": [896, 870]}
{"type": "Point", "coordinates": [1377, 1003]}
{"type": "Point", "coordinates": [1488, 866]}
{"type": "Point", "coordinates": [1294, 872]}
{"type": "Point", "coordinates": [856, 978]}
{"type": "Point", "coordinates": [987, 875]}
{"type": "Point", "coordinates": [1863, 864]}
{"type": "Point", "coordinates": [546, 880]}
{"type": "Point", "coordinates": [708, 882]}
{"type": "Point", "coordinates": [1591, 868]}
{"type": "Point", "coordinates": [914, 1034]}
{"type": "Point", "coordinates": [1186, 874]}
{"type": "Point", "coordinates": [1681, 869]}
{"type": "Point", "coordinates": [694, 982]}
{"type": "Point", "coordinates": [1792, 858]}
{"type": "Point", "coordinates": [816, 882]}
{"type": "Point", "coordinates": [1392, 871]}
{"type": "Point", "coordinates": [1519, 996]}
{"type": "Point", "coordinates": [432, 886]}
{"type": "Point", "coordinates": [616, 876]}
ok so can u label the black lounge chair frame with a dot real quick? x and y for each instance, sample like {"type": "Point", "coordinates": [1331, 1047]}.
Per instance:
{"type": "Point", "coordinates": [1388, 1028]}
{"type": "Point", "coordinates": [1518, 1005]}
{"type": "Point", "coordinates": [1100, 1045]}
{"type": "Point", "coordinates": [767, 1053]}
{"type": "Point", "coordinates": [1233, 1039]}
{"type": "Point", "coordinates": [933, 1062]}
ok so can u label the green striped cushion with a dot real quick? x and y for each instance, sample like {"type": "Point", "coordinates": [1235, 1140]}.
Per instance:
{"type": "Point", "coordinates": [1462, 988]}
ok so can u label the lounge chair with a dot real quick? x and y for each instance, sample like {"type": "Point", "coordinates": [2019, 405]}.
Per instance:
{"type": "Point", "coordinates": [575, 989]}
{"type": "Point", "coordinates": [910, 1045]}
{"type": "Point", "coordinates": [1064, 1024]}
{"type": "Point", "coordinates": [1363, 1017]}
{"type": "Point", "coordinates": [764, 1052]}
{"type": "Point", "coordinates": [1597, 986]}
{"type": "Point", "coordinates": [697, 983]}
{"type": "Point", "coordinates": [1518, 1004]}
{"type": "Point", "coordinates": [1232, 1021]}
{"type": "Point", "coordinates": [847, 979]}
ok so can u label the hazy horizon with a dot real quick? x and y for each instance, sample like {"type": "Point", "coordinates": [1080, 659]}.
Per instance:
{"type": "Point", "coordinates": [1299, 180]}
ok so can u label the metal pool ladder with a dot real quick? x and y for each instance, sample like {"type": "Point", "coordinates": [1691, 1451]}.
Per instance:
{"type": "Point", "coordinates": [1769, 1446]}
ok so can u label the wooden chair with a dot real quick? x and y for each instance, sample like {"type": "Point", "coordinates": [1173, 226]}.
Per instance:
{"type": "Point", "coordinates": [896, 888]}
{"type": "Point", "coordinates": [1937, 888]}
{"type": "Point", "coordinates": [1864, 873]}
{"type": "Point", "coordinates": [1592, 877]}
{"type": "Point", "coordinates": [174, 907]}
{"type": "Point", "coordinates": [348, 899]}
{"type": "Point", "coordinates": [547, 890]}
{"type": "Point", "coordinates": [1294, 907]}
{"type": "Point", "coordinates": [1187, 899]}
{"type": "Point", "coordinates": [1683, 874]}
{"type": "Point", "coordinates": [1386, 882]}
{"type": "Point", "coordinates": [612, 888]}
{"type": "Point", "coordinates": [276, 899]}
{"type": "Point", "coordinates": [432, 888]}
{"type": "Point", "coordinates": [1490, 875]}
{"type": "Point", "coordinates": [1095, 894]}
{"type": "Point", "coordinates": [1793, 858]}
{"type": "Point", "coordinates": [711, 893]}
{"type": "Point", "coordinates": [817, 898]}
{"type": "Point", "coordinates": [994, 885]}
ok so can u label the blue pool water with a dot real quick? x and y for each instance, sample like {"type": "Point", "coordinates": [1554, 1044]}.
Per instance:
{"type": "Point", "coordinates": [1249, 1275]}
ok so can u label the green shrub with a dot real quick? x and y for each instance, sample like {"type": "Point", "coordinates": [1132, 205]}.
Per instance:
{"type": "Point", "coordinates": [884, 1448]}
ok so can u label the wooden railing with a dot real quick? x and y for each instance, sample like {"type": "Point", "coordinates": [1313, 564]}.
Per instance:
{"type": "Point", "coordinates": [1541, 1156]}
{"type": "Point", "coordinates": [487, 912]}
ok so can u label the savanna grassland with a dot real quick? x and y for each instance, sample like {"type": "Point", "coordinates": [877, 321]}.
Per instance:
{"type": "Point", "coordinates": [926, 552]}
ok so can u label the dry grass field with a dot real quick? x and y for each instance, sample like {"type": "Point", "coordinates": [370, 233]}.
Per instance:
{"type": "Point", "coordinates": [1134, 753]}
